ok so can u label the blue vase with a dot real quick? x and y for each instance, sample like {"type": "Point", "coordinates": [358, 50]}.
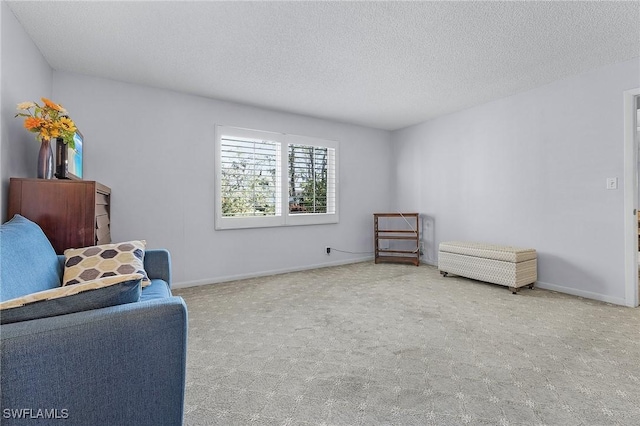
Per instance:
{"type": "Point", "coordinates": [45, 161]}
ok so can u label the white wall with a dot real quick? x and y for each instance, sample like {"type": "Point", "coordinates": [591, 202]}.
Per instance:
{"type": "Point", "coordinates": [25, 76]}
{"type": "Point", "coordinates": [155, 148]}
{"type": "Point", "coordinates": [526, 170]}
{"type": "Point", "coordinates": [530, 170]}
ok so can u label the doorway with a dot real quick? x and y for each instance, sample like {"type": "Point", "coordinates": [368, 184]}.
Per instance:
{"type": "Point", "coordinates": [631, 100]}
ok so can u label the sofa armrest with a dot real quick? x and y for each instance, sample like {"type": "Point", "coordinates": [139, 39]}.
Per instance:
{"type": "Point", "coordinates": [157, 263]}
{"type": "Point", "coordinates": [118, 365]}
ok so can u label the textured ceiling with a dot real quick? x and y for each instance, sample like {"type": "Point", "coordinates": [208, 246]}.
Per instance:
{"type": "Point", "coordinates": [379, 64]}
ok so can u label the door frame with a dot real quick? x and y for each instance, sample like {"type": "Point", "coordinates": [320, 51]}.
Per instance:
{"type": "Point", "coordinates": [630, 197]}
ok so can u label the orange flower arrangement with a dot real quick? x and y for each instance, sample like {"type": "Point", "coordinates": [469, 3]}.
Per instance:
{"type": "Point", "coordinates": [48, 121]}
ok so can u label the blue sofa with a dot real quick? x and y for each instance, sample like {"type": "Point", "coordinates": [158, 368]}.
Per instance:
{"type": "Point", "coordinates": [116, 365]}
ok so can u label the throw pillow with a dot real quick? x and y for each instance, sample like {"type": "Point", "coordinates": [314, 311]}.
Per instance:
{"type": "Point", "coordinates": [107, 260]}
{"type": "Point", "coordinates": [96, 294]}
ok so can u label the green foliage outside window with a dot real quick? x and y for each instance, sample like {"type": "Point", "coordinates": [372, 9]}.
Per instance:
{"type": "Point", "coordinates": [249, 182]}
{"type": "Point", "coordinates": [307, 179]}
{"type": "Point", "coordinates": [248, 187]}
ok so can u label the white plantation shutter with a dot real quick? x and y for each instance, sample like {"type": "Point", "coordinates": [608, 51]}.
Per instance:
{"type": "Point", "coordinates": [332, 181]}
{"type": "Point", "coordinates": [311, 179]}
{"type": "Point", "coordinates": [272, 179]}
{"type": "Point", "coordinates": [250, 183]}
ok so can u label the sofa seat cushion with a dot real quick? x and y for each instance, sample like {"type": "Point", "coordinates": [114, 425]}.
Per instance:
{"type": "Point", "coordinates": [158, 289]}
{"type": "Point", "coordinates": [96, 294]}
{"type": "Point", "coordinates": [28, 263]}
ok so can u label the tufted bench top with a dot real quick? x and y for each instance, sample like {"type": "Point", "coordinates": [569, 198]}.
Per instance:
{"type": "Point", "coordinates": [489, 251]}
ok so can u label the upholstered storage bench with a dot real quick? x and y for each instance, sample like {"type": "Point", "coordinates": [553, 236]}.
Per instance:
{"type": "Point", "coordinates": [509, 266]}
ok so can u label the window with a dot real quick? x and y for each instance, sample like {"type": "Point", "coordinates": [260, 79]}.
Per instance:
{"type": "Point", "coordinates": [273, 179]}
{"type": "Point", "coordinates": [250, 178]}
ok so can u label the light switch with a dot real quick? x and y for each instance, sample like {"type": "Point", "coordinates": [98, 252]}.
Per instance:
{"type": "Point", "coordinates": [612, 183]}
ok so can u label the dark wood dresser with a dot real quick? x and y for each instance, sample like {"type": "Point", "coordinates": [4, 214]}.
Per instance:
{"type": "Point", "coordinates": [72, 213]}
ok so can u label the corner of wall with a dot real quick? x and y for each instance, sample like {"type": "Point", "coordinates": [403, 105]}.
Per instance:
{"type": "Point", "coordinates": [24, 75]}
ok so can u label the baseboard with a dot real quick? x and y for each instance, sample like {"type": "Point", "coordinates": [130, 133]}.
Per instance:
{"type": "Point", "coordinates": [539, 284]}
{"type": "Point", "coordinates": [227, 278]}
{"type": "Point", "coordinates": [581, 293]}
{"type": "Point", "coordinates": [429, 262]}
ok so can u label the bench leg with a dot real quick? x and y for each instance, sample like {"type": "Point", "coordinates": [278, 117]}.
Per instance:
{"type": "Point", "coordinates": [514, 290]}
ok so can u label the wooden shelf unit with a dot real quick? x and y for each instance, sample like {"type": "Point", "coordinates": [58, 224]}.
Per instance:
{"type": "Point", "coordinates": [396, 255]}
{"type": "Point", "coordinates": [72, 213]}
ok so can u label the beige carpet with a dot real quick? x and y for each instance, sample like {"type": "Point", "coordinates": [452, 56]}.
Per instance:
{"type": "Point", "coordinates": [367, 344]}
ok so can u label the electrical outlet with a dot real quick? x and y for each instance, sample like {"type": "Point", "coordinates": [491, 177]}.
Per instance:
{"type": "Point", "coordinates": [328, 250]}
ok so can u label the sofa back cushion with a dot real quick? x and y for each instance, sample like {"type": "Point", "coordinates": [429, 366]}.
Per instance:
{"type": "Point", "coordinates": [28, 262]}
